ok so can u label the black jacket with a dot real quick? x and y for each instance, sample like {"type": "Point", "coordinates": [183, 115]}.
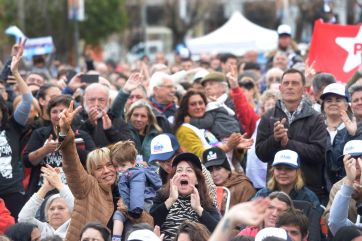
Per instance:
{"type": "Point", "coordinates": [118, 132]}
{"type": "Point", "coordinates": [307, 136]}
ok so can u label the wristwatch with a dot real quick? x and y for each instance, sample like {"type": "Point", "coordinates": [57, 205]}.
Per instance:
{"type": "Point", "coordinates": [61, 137]}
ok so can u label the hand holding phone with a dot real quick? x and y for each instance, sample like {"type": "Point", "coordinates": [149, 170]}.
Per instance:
{"type": "Point", "coordinates": [89, 78]}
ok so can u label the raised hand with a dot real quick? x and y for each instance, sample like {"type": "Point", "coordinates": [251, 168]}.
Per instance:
{"type": "Point", "coordinates": [351, 125]}
{"type": "Point", "coordinates": [249, 213]}
{"type": "Point", "coordinates": [173, 191]}
{"type": "Point", "coordinates": [134, 80]}
{"type": "Point", "coordinates": [173, 187]}
{"type": "Point", "coordinates": [52, 175]}
{"type": "Point", "coordinates": [75, 82]}
{"type": "Point", "coordinates": [107, 122]}
{"type": "Point", "coordinates": [18, 54]}
{"type": "Point", "coordinates": [350, 167]}
{"type": "Point", "coordinates": [245, 143]}
{"type": "Point", "coordinates": [46, 186]}
{"type": "Point", "coordinates": [280, 131]}
{"type": "Point", "coordinates": [94, 114]}
{"type": "Point", "coordinates": [157, 231]}
{"type": "Point", "coordinates": [51, 145]}
{"type": "Point", "coordinates": [234, 140]}
{"type": "Point", "coordinates": [67, 116]}
{"type": "Point", "coordinates": [195, 201]}
{"type": "Point", "coordinates": [309, 72]}
{"type": "Point", "coordinates": [232, 77]}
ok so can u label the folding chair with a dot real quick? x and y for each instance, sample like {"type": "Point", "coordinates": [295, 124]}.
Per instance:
{"type": "Point", "coordinates": [223, 197]}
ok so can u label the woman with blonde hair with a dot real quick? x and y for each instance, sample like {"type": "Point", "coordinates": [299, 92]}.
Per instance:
{"type": "Point", "coordinates": [286, 176]}
{"type": "Point", "coordinates": [143, 126]}
{"type": "Point", "coordinates": [92, 190]}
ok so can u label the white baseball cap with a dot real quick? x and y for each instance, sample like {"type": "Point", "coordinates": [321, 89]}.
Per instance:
{"type": "Point", "coordinates": [354, 148]}
{"type": "Point", "coordinates": [200, 74]}
{"type": "Point", "coordinates": [163, 147]}
{"type": "Point", "coordinates": [143, 235]}
{"type": "Point", "coordinates": [286, 157]}
{"type": "Point", "coordinates": [272, 232]}
{"type": "Point", "coordinates": [284, 29]}
{"type": "Point", "coordinates": [336, 89]}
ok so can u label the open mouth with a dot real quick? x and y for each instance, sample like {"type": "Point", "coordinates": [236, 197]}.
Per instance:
{"type": "Point", "coordinates": [184, 182]}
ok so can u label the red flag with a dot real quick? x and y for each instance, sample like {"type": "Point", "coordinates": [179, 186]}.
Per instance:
{"type": "Point", "coordinates": [336, 49]}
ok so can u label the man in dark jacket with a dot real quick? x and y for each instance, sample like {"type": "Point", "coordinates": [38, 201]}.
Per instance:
{"type": "Point", "coordinates": [103, 127]}
{"type": "Point", "coordinates": [293, 124]}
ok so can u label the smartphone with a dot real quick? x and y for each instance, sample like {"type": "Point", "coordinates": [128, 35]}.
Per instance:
{"type": "Point", "coordinates": [89, 78]}
{"type": "Point", "coordinates": [70, 74]}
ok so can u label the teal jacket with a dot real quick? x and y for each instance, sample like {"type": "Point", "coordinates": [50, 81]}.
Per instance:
{"type": "Point", "coordinates": [143, 148]}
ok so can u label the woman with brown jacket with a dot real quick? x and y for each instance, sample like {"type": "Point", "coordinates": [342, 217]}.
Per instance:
{"type": "Point", "coordinates": [92, 190]}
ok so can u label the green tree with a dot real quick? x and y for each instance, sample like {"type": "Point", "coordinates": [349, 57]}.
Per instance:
{"type": "Point", "coordinates": [48, 17]}
{"type": "Point", "coordinates": [102, 19]}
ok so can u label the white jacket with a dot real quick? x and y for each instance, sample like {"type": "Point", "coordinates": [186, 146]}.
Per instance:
{"type": "Point", "coordinates": [28, 212]}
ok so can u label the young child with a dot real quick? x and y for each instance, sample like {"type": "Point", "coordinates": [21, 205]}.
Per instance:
{"type": "Point", "coordinates": [137, 186]}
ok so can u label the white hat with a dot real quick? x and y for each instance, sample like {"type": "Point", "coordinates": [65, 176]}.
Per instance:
{"type": "Point", "coordinates": [272, 232]}
{"type": "Point", "coordinates": [354, 148]}
{"type": "Point", "coordinates": [144, 235]}
{"type": "Point", "coordinates": [286, 157]}
{"type": "Point", "coordinates": [200, 74]}
{"type": "Point", "coordinates": [284, 29]}
{"type": "Point", "coordinates": [163, 147]}
{"type": "Point", "coordinates": [334, 88]}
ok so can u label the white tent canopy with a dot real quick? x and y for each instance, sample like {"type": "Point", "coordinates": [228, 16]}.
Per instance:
{"type": "Point", "coordinates": [236, 36]}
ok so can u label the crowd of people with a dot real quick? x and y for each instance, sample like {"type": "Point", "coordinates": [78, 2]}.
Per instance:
{"type": "Point", "coordinates": [141, 151]}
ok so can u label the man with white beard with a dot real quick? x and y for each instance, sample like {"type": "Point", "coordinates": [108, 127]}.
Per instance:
{"type": "Point", "coordinates": [162, 91]}
{"type": "Point", "coordinates": [95, 119]}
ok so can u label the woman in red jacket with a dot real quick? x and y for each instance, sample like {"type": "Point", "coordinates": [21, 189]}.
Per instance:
{"type": "Point", "coordinates": [5, 216]}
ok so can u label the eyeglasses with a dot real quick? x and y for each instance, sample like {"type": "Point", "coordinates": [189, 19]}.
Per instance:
{"type": "Point", "coordinates": [93, 99]}
{"type": "Point", "coordinates": [168, 86]}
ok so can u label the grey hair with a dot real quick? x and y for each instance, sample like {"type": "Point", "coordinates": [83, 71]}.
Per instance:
{"type": "Point", "coordinates": [97, 86]}
{"type": "Point", "coordinates": [274, 70]}
{"type": "Point", "coordinates": [354, 88]}
{"type": "Point", "coordinates": [50, 200]}
{"type": "Point", "coordinates": [158, 79]}
{"type": "Point", "coordinates": [321, 80]}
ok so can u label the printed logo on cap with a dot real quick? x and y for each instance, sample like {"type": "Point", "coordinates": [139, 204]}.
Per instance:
{"type": "Point", "coordinates": [285, 157]}
{"type": "Point", "coordinates": [158, 148]}
{"type": "Point", "coordinates": [351, 147]}
{"type": "Point", "coordinates": [161, 144]}
{"type": "Point", "coordinates": [211, 156]}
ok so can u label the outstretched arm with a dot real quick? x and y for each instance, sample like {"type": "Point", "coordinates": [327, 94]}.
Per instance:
{"type": "Point", "coordinates": [339, 210]}
{"type": "Point", "coordinates": [21, 113]}
{"type": "Point", "coordinates": [247, 213]}
{"type": "Point", "coordinates": [77, 177]}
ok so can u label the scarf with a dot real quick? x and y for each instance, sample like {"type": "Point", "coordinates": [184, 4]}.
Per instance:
{"type": "Point", "coordinates": [293, 115]}
{"type": "Point", "coordinates": [220, 102]}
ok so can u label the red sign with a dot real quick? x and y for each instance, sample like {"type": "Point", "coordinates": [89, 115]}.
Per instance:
{"type": "Point", "coordinates": [336, 49]}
